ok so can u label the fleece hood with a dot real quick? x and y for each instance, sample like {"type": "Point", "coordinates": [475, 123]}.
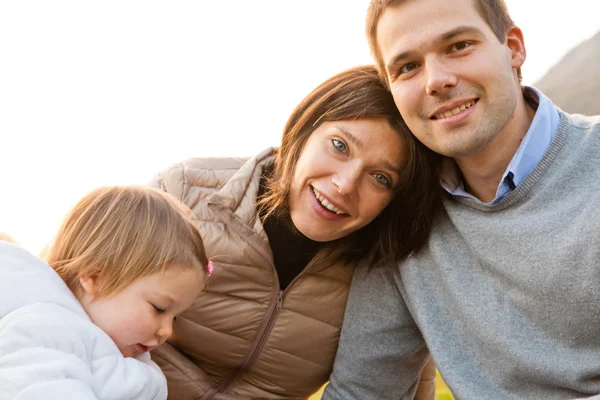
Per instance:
{"type": "Point", "coordinates": [25, 279]}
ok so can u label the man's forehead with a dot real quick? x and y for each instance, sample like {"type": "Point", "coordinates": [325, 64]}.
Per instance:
{"type": "Point", "coordinates": [413, 23]}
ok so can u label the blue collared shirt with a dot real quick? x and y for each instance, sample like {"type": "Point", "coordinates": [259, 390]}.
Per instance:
{"type": "Point", "coordinates": [532, 148]}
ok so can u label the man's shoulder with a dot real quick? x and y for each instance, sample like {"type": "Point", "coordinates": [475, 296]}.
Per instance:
{"type": "Point", "coordinates": [582, 122]}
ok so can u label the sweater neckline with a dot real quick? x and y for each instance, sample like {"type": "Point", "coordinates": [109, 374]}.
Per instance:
{"type": "Point", "coordinates": [531, 180]}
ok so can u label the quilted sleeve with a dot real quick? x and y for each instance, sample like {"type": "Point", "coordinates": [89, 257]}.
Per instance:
{"type": "Point", "coordinates": [171, 180]}
{"type": "Point", "coordinates": [184, 378]}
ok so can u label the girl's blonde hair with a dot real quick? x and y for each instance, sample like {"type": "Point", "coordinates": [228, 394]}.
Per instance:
{"type": "Point", "coordinates": [121, 233]}
{"type": "Point", "coordinates": [5, 237]}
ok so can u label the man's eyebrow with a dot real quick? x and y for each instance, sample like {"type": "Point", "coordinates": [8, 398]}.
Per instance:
{"type": "Point", "coordinates": [444, 37]}
{"type": "Point", "coordinates": [397, 60]}
{"type": "Point", "coordinates": [459, 30]}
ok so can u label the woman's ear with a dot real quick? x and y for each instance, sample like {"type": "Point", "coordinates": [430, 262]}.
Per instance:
{"type": "Point", "coordinates": [89, 284]}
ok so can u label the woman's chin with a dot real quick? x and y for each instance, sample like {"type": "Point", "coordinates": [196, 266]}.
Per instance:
{"type": "Point", "coordinates": [318, 234]}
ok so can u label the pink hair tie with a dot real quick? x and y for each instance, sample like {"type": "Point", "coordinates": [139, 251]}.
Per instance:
{"type": "Point", "coordinates": [210, 268]}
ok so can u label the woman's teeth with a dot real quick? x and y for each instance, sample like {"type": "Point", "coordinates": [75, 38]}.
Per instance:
{"type": "Point", "coordinates": [454, 111]}
{"type": "Point", "coordinates": [326, 203]}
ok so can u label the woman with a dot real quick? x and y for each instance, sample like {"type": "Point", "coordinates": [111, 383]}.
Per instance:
{"type": "Point", "coordinates": [285, 230]}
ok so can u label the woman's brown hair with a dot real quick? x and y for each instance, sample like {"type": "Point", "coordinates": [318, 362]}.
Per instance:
{"type": "Point", "coordinates": [403, 226]}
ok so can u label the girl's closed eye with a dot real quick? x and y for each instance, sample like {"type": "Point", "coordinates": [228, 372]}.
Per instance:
{"type": "Point", "coordinates": [158, 309]}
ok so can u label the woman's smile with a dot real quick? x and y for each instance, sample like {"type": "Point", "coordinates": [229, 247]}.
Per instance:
{"type": "Point", "coordinates": [345, 176]}
{"type": "Point", "coordinates": [324, 207]}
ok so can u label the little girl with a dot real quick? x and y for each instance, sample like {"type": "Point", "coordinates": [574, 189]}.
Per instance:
{"type": "Point", "coordinates": [125, 262]}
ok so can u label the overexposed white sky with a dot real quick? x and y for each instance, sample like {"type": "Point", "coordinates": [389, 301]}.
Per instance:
{"type": "Point", "coordinates": [111, 92]}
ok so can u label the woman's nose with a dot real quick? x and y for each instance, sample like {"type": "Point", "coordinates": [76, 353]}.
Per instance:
{"type": "Point", "coordinates": [346, 180]}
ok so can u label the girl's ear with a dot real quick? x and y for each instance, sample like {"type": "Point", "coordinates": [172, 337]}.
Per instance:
{"type": "Point", "coordinates": [89, 284]}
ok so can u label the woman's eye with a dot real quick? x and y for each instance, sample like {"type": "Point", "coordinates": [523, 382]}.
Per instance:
{"type": "Point", "coordinates": [382, 179]}
{"type": "Point", "coordinates": [339, 145]}
{"type": "Point", "coordinates": [158, 309]}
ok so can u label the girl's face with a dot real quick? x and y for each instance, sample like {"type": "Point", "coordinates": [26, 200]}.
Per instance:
{"type": "Point", "coordinates": [140, 317]}
{"type": "Point", "coordinates": [345, 176]}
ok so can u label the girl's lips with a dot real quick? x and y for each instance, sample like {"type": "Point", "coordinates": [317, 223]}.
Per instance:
{"type": "Point", "coordinates": [141, 348]}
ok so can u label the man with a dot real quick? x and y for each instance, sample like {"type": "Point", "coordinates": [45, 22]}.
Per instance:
{"type": "Point", "coordinates": [506, 295]}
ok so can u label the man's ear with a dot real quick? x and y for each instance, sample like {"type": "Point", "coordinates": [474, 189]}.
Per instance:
{"type": "Point", "coordinates": [89, 284]}
{"type": "Point", "coordinates": [516, 46]}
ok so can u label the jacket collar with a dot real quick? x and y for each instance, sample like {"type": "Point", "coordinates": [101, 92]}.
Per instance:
{"type": "Point", "coordinates": [239, 194]}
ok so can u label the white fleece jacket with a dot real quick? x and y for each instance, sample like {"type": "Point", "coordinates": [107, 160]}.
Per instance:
{"type": "Point", "coordinates": [50, 349]}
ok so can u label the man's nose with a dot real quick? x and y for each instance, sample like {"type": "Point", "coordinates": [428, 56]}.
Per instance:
{"type": "Point", "coordinates": [440, 77]}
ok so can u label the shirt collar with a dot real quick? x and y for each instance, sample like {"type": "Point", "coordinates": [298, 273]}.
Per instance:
{"type": "Point", "coordinates": [532, 148]}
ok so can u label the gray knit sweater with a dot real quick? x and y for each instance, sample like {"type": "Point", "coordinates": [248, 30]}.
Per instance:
{"type": "Point", "coordinates": [506, 296]}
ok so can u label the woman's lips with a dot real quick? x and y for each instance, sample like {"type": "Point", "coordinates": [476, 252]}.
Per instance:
{"type": "Point", "coordinates": [322, 211]}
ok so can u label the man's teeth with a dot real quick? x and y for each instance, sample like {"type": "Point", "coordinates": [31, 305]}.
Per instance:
{"type": "Point", "coordinates": [326, 203]}
{"type": "Point", "coordinates": [455, 110]}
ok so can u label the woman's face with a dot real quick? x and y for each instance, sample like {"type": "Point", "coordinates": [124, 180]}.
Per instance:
{"type": "Point", "coordinates": [346, 175]}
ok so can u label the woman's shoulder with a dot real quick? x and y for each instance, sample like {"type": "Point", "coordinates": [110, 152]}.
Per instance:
{"type": "Point", "coordinates": [199, 170]}
{"type": "Point", "coordinates": [206, 174]}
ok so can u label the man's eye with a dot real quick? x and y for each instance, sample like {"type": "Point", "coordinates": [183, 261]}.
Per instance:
{"type": "Point", "coordinates": [407, 68]}
{"type": "Point", "coordinates": [382, 179]}
{"type": "Point", "coordinates": [339, 145]}
{"type": "Point", "coordinates": [459, 46]}
{"type": "Point", "coordinates": [158, 309]}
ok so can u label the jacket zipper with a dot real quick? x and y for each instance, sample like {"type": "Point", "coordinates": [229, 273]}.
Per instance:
{"type": "Point", "coordinates": [264, 330]}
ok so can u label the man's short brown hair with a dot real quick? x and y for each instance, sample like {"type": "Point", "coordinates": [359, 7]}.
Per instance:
{"type": "Point", "coordinates": [494, 12]}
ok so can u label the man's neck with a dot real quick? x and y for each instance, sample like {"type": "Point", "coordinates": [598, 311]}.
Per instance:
{"type": "Point", "coordinates": [483, 172]}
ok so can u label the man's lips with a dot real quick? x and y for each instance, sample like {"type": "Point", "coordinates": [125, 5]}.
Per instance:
{"type": "Point", "coordinates": [452, 109]}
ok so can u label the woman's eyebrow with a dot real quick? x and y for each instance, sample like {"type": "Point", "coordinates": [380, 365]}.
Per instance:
{"type": "Point", "coordinates": [351, 138]}
{"type": "Point", "coordinates": [358, 143]}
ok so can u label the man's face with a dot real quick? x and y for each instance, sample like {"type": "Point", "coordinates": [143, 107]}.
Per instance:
{"type": "Point", "coordinates": [453, 81]}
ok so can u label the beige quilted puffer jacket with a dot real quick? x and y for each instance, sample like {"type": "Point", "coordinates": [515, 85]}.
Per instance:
{"type": "Point", "coordinates": [244, 338]}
